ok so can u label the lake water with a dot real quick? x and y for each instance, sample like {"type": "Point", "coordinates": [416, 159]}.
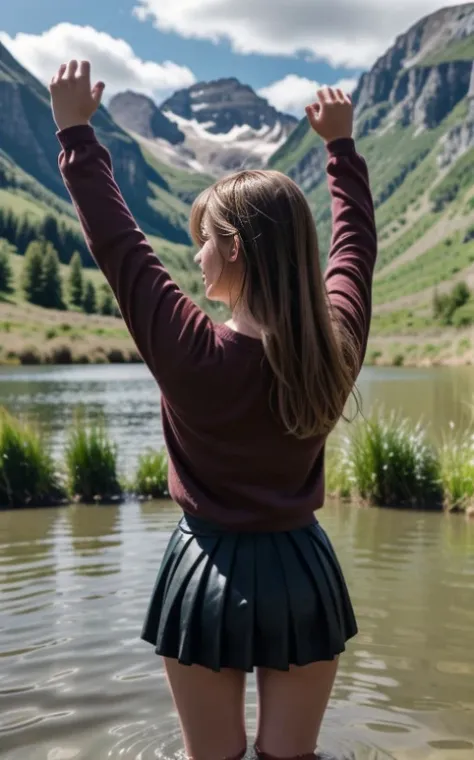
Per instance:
{"type": "Point", "coordinates": [129, 400]}
{"type": "Point", "coordinates": [76, 681]}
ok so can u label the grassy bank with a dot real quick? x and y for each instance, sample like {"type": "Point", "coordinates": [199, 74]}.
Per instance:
{"type": "Point", "coordinates": [32, 335]}
{"type": "Point", "coordinates": [87, 472]}
{"type": "Point", "coordinates": [426, 348]}
{"type": "Point", "coordinates": [384, 461]}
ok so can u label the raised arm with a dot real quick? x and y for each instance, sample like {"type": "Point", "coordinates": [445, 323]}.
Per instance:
{"type": "Point", "coordinates": [172, 334]}
{"type": "Point", "coordinates": [353, 251]}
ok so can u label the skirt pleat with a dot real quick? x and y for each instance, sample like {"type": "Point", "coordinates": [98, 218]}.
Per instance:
{"type": "Point", "coordinates": [239, 612]}
{"type": "Point", "coordinates": [245, 600]}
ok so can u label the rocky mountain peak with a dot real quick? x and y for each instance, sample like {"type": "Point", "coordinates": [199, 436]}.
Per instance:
{"type": "Point", "coordinates": [210, 127]}
{"type": "Point", "coordinates": [224, 104]}
{"type": "Point", "coordinates": [138, 113]}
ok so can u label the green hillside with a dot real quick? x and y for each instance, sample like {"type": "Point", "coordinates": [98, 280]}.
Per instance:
{"type": "Point", "coordinates": [419, 146]}
{"type": "Point", "coordinates": [159, 196]}
{"type": "Point", "coordinates": [414, 125]}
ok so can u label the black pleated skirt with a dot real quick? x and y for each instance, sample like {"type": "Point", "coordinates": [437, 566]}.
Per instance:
{"type": "Point", "coordinates": [245, 600]}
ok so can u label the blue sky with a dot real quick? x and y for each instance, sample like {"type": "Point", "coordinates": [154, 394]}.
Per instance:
{"type": "Point", "coordinates": [283, 48]}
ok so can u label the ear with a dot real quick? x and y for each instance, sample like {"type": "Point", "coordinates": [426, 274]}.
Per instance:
{"type": "Point", "coordinates": [235, 250]}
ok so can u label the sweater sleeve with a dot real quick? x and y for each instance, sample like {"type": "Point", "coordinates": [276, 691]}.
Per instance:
{"type": "Point", "coordinates": [171, 333]}
{"type": "Point", "coordinates": [353, 249]}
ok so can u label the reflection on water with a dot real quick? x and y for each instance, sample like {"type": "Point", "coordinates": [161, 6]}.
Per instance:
{"type": "Point", "coordinates": [128, 398]}
{"type": "Point", "coordinates": [76, 681]}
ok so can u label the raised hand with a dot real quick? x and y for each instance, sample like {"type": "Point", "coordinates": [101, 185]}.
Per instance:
{"type": "Point", "coordinates": [73, 100]}
{"type": "Point", "coordinates": [331, 116]}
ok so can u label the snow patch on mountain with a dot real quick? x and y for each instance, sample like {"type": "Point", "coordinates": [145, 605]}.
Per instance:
{"type": "Point", "coordinates": [241, 147]}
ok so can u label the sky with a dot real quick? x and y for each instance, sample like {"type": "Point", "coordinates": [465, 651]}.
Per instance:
{"type": "Point", "coordinates": [284, 49]}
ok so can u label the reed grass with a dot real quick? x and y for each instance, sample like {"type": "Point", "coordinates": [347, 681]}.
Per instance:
{"type": "Point", "coordinates": [91, 462]}
{"type": "Point", "coordinates": [151, 480]}
{"type": "Point", "coordinates": [383, 461]}
{"type": "Point", "coordinates": [386, 462]}
{"type": "Point", "coordinates": [27, 471]}
{"type": "Point", "coordinates": [457, 469]}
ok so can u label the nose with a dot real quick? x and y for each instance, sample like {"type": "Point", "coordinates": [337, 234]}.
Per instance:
{"type": "Point", "coordinates": [197, 258]}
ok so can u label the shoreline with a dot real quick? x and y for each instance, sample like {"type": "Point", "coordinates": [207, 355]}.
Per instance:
{"type": "Point", "coordinates": [113, 354]}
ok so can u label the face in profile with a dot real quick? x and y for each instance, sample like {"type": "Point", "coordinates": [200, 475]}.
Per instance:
{"type": "Point", "coordinates": [221, 264]}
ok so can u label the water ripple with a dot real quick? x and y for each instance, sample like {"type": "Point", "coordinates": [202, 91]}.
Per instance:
{"type": "Point", "coordinates": [76, 681]}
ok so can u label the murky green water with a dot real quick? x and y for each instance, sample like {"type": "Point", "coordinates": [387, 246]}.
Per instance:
{"type": "Point", "coordinates": [76, 681]}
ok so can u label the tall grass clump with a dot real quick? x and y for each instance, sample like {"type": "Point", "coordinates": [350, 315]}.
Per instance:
{"type": "Point", "coordinates": [457, 470]}
{"type": "Point", "coordinates": [389, 463]}
{"type": "Point", "coordinates": [337, 478]}
{"type": "Point", "coordinates": [91, 463]}
{"type": "Point", "coordinates": [27, 473]}
{"type": "Point", "coordinates": [151, 480]}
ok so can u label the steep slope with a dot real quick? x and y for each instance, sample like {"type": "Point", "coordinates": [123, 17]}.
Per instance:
{"type": "Point", "coordinates": [224, 126]}
{"type": "Point", "coordinates": [415, 126]}
{"type": "Point", "coordinates": [29, 149]}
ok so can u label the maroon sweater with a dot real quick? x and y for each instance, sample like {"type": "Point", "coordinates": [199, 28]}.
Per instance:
{"type": "Point", "coordinates": [231, 461]}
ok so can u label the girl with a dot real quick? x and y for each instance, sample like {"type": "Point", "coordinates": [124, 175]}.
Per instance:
{"type": "Point", "coordinates": [249, 578]}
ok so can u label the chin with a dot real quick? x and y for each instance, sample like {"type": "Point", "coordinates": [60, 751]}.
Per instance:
{"type": "Point", "coordinates": [213, 295]}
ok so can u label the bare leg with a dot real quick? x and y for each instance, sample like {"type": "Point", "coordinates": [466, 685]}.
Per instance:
{"type": "Point", "coordinates": [211, 710]}
{"type": "Point", "coordinates": [291, 708]}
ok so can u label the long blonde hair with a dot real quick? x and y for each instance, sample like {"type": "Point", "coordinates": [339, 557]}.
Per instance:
{"type": "Point", "coordinates": [314, 362]}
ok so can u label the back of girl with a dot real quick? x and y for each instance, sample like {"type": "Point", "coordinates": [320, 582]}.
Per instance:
{"type": "Point", "coordinates": [249, 579]}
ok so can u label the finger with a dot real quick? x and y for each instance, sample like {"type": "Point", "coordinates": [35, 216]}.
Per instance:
{"type": "Point", "coordinates": [84, 70]}
{"type": "Point", "coordinates": [340, 95]}
{"type": "Point", "coordinates": [97, 92]}
{"type": "Point", "coordinates": [331, 95]}
{"type": "Point", "coordinates": [312, 116]}
{"type": "Point", "coordinates": [59, 74]}
{"type": "Point", "coordinates": [321, 95]}
{"type": "Point", "coordinates": [71, 70]}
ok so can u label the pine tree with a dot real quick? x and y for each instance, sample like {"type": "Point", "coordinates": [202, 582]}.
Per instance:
{"type": "Point", "coordinates": [32, 275]}
{"type": "Point", "coordinates": [49, 230]}
{"type": "Point", "coordinates": [52, 296]}
{"type": "Point", "coordinates": [6, 272]}
{"type": "Point", "coordinates": [76, 280]}
{"type": "Point", "coordinates": [106, 301]}
{"type": "Point", "coordinates": [89, 303]}
{"type": "Point", "coordinates": [24, 233]}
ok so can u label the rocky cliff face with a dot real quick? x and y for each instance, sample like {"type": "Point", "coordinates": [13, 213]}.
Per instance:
{"type": "Point", "coordinates": [423, 75]}
{"type": "Point", "coordinates": [422, 79]}
{"type": "Point", "coordinates": [460, 138]}
{"type": "Point", "coordinates": [141, 115]}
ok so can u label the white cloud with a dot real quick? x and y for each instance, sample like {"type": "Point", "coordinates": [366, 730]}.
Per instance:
{"type": "Point", "coordinates": [113, 60]}
{"type": "Point", "coordinates": [349, 33]}
{"type": "Point", "coordinates": [292, 93]}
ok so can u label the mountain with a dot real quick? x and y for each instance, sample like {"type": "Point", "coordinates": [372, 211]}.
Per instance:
{"type": "Point", "coordinates": [220, 126]}
{"type": "Point", "coordinates": [29, 177]}
{"type": "Point", "coordinates": [140, 114]}
{"type": "Point", "coordinates": [415, 125]}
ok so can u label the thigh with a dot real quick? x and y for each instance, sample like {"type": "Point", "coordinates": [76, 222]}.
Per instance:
{"type": "Point", "coordinates": [292, 706]}
{"type": "Point", "coordinates": [210, 706]}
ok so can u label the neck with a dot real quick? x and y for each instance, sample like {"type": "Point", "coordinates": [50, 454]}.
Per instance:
{"type": "Point", "coordinates": [242, 322]}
